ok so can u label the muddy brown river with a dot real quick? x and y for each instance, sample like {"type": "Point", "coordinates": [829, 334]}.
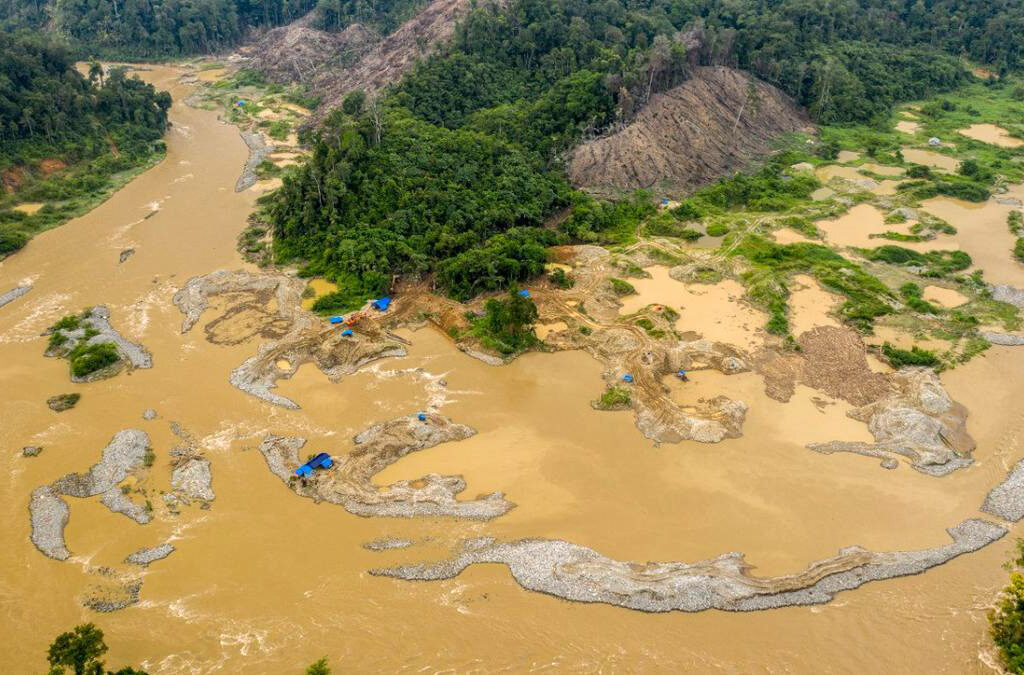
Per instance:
{"type": "Point", "coordinates": [265, 581]}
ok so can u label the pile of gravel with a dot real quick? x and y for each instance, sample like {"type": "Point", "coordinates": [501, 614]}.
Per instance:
{"type": "Point", "coordinates": [581, 574]}
{"type": "Point", "coordinates": [193, 478]}
{"type": "Point", "coordinates": [1006, 500]}
{"type": "Point", "coordinates": [258, 151]}
{"type": "Point", "coordinates": [49, 515]}
{"type": "Point", "coordinates": [14, 294]}
{"type": "Point", "coordinates": [147, 555]}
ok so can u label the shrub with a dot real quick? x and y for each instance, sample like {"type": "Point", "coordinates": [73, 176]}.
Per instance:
{"type": "Point", "coordinates": [620, 287]}
{"type": "Point", "coordinates": [1018, 250]}
{"type": "Point", "coordinates": [899, 358]}
{"type": "Point", "coordinates": [919, 171]}
{"type": "Point", "coordinates": [87, 359]}
{"type": "Point", "coordinates": [717, 230]}
{"type": "Point", "coordinates": [507, 324]}
{"type": "Point", "coordinates": [1006, 620]}
{"type": "Point", "coordinates": [560, 279]}
{"type": "Point", "coordinates": [614, 398]}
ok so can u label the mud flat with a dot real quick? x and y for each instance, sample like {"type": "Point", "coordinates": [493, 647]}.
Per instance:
{"type": "Point", "coordinates": [918, 421]}
{"type": "Point", "coordinates": [350, 482]}
{"type": "Point", "coordinates": [581, 574]}
{"type": "Point", "coordinates": [990, 133]}
{"type": "Point", "coordinates": [13, 294]}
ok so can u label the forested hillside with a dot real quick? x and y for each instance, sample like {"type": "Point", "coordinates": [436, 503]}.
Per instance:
{"type": "Point", "coordinates": [150, 28]}
{"type": "Point", "coordinates": [98, 126]}
{"type": "Point", "coordinates": [456, 168]}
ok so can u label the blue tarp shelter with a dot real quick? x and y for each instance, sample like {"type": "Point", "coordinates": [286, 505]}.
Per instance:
{"type": "Point", "coordinates": [524, 294]}
{"type": "Point", "coordinates": [382, 304]}
{"type": "Point", "coordinates": [335, 320]}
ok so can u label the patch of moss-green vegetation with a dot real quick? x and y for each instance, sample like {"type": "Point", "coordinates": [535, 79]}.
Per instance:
{"type": "Point", "coordinates": [916, 356]}
{"type": "Point", "coordinates": [772, 189]}
{"type": "Point", "coordinates": [620, 287]}
{"type": "Point", "coordinates": [911, 293]}
{"type": "Point", "coordinates": [507, 324]}
{"type": "Point", "coordinates": [717, 230]}
{"type": "Point", "coordinates": [560, 279]}
{"type": "Point", "coordinates": [932, 263]}
{"type": "Point", "coordinates": [614, 398]}
{"type": "Point", "coordinates": [87, 359]}
{"type": "Point", "coordinates": [772, 264]}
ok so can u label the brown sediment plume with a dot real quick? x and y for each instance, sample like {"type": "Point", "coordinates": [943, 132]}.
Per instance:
{"type": "Point", "coordinates": [581, 574]}
{"type": "Point", "coordinates": [349, 483]}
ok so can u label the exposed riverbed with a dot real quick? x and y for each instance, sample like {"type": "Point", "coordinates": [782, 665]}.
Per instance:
{"type": "Point", "coordinates": [264, 580]}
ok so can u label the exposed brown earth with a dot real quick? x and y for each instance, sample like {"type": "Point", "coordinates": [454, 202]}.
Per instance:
{"type": "Point", "coordinates": [300, 53]}
{"type": "Point", "coordinates": [336, 64]}
{"type": "Point", "coordinates": [714, 123]}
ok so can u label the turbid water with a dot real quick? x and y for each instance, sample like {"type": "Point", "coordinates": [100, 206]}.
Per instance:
{"type": "Point", "coordinates": [264, 581]}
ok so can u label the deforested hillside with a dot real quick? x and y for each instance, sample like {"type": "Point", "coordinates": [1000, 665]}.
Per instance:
{"type": "Point", "coordinates": [300, 52]}
{"type": "Point", "coordinates": [712, 124]}
{"type": "Point", "coordinates": [387, 61]}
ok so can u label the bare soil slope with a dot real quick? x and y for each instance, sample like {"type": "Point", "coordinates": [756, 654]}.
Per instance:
{"type": "Point", "coordinates": [713, 124]}
{"type": "Point", "coordinates": [300, 53]}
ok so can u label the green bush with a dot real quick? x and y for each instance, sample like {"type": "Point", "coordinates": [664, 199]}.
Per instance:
{"type": "Point", "coordinates": [935, 263]}
{"type": "Point", "coordinates": [717, 230]}
{"type": "Point", "coordinates": [87, 359]}
{"type": "Point", "coordinates": [1018, 249]}
{"type": "Point", "coordinates": [560, 279]}
{"type": "Point", "coordinates": [614, 398]}
{"type": "Point", "coordinates": [899, 358]}
{"type": "Point", "coordinates": [620, 287]}
{"type": "Point", "coordinates": [1006, 620]}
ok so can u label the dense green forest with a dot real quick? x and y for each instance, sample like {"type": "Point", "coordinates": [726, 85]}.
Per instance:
{"type": "Point", "coordinates": [456, 169]}
{"type": "Point", "coordinates": [383, 16]}
{"type": "Point", "coordinates": [150, 28]}
{"type": "Point", "coordinates": [98, 126]}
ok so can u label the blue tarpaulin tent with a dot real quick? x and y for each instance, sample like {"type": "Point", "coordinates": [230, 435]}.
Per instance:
{"type": "Point", "coordinates": [627, 379]}
{"type": "Point", "coordinates": [382, 304]}
{"type": "Point", "coordinates": [347, 333]}
{"type": "Point", "coordinates": [335, 320]}
{"type": "Point", "coordinates": [524, 294]}
{"type": "Point", "coordinates": [321, 461]}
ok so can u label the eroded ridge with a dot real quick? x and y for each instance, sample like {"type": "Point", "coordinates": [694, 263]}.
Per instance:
{"type": "Point", "coordinates": [349, 483]}
{"type": "Point", "coordinates": [297, 337]}
{"type": "Point", "coordinates": [918, 421]}
{"type": "Point", "coordinates": [581, 574]}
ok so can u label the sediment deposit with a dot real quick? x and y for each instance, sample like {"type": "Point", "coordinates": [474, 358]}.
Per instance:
{"type": "Point", "coordinates": [917, 421]}
{"type": "Point", "coordinates": [349, 483]}
{"type": "Point", "coordinates": [581, 574]}
{"type": "Point", "coordinates": [97, 319]}
{"type": "Point", "coordinates": [13, 294]}
{"type": "Point", "coordinates": [1006, 500]}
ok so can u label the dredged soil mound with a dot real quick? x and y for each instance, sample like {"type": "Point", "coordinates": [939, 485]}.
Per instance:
{"type": "Point", "coordinates": [711, 125]}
